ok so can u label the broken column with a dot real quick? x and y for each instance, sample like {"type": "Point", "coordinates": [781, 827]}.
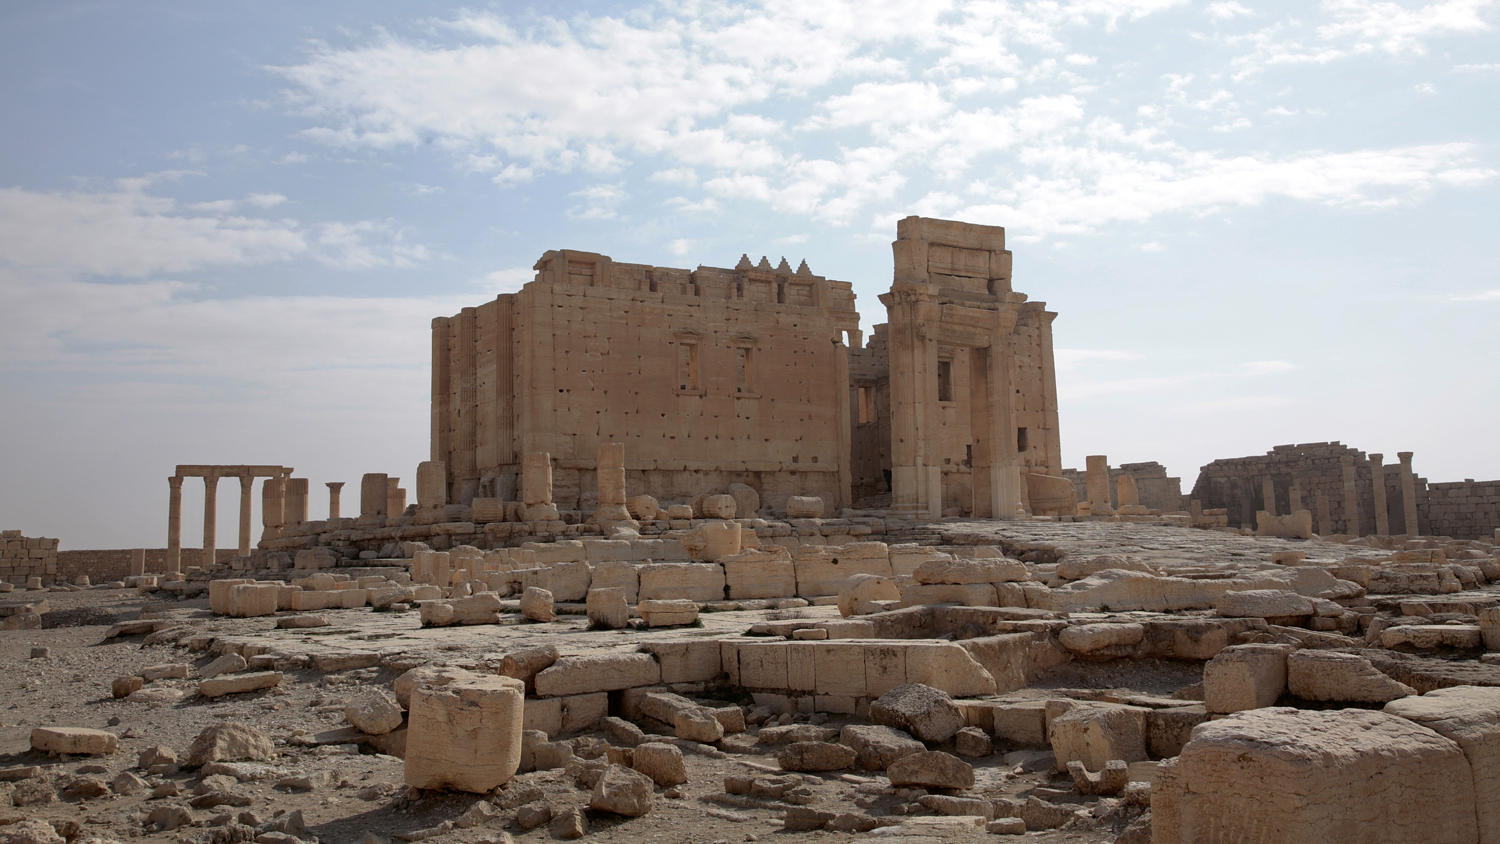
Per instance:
{"type": "Point", "coordinates": [335, 489]}
{"type": "Point", "coordinates": [395, 498]}
{"type": "Point", "coordinates": [247, 486]}
{"type": "Point", "coordinates": [138, 561]}
{"type": "Point", "coordinates": [1377, 490]}
{"type": "Point", "coordinates": [174, 525]}
{"type": "Point", "coordinates": [1324, 527]}
{"type": "Point", "coordinates": [373, 498]}
{"type": "Point", "coordinates": [1268, 494]}
{"type": "Point", "coordinates": [1294, 493]}
{"type": "Point", "coordinates": [272, 506]}
{"type": "Point", "coordinates": [610, 468]}
{"type": "Point", "coordinates": [210, 519]}
{"type": "Point", "coordinates": [432, 485]}
{"type": "Point", "coordinates": [536, 487]}
{"type": "Point", "coordinates": [294, 507]}
{"type": "Point", "coordinates": [1129, 497]}
{"type": "Point", "coordinates": [1409, 495]}
{"type": "Point", "coordinates": [465, 735]}
{"type": "Point", "coordinates": [1097, 479]}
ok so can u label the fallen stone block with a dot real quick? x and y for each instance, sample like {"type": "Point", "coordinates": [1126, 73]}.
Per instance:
{"type": "Point", "coordinates": [231, 741]}
{"type": "Point", "coordinates": [74, 740]}
{"type": "Point", "coordinates": [662, 763]}
{"type": "Point", "coordinates": [373, 711]}
{"type": "Point", "coordinates": [1470, 716]}
{"type": "Point", "coordinates": [465, 735]}
{"type": "Point", "coordinates": [925, 712]}
{"type": "Point", "coordinates": [931, 769]}
{"type": "Point", "coordinates": [572, 675]}
{"type": "Point", "coordinates": [667, 613]}
{"type": "Point", "coordinates": [239, 683]}
{"type": "Point", "coordinates": [622, 791]}
{"type": "Point", "coordinates": [1244, 677]}
{"type": "Point", "coordinates": [876, 746]}
{"type": "Point", "coordinates": [1093, 734]}
{"type": "Point", "coordinates": [815, 756]}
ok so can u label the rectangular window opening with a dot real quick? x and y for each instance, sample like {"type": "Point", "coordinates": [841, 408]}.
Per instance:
{"type": "Point", "coordinates": [1021, 444]}
{"type": "Point", "coordinates": [742, 370]}
{"type": "Point", "coordinates": [945, 380]}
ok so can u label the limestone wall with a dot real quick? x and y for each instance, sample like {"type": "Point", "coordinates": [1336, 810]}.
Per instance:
{"type": "Point", "coordinates": [22, 557]}
{"type": "Point", "coordinates": [104, 566]}
{"type": "Point", "coordinates": [1464, 510]}
{"type": "Point", "coordinates": [1156, 490]}
{"type": "Point", "coordinates": [708, 377]}
{"type": "Point", "coordinates": [870, 416]}
{"type": "Point", "coordinates": [1236, 484]}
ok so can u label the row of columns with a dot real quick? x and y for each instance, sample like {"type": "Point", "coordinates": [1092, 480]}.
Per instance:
{"type": "Point", "coordinates": [283, 499]}
{"type": "Point", "coordinates": [1351, 496]}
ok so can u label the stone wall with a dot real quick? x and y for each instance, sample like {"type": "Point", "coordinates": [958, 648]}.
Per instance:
{"type": "Point", "coordinates": [1156, 490]}
{"type": "Point", "coordinates": [870, 416]}
{"type": "Point", "coordinates": [708, 377]}
{"type": "Point", "coordinates": [22, 557]}
{"type": "Point", "coordinates": [103, 566]}
{"type": "Point", "coordinates": [1464, 510]}
{"type": "Point", "coordinates": [1236, 484]}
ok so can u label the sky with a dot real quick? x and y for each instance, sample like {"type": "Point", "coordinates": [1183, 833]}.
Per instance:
{"type": "Point", "coordinates": [225, 227]}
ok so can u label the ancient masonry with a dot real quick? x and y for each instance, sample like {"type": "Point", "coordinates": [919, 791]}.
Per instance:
{"type": "Point", "coordinates": [1155, 490]}
{"type": "Point", "coordinates": [756, 375]}
{"type": "Point", "coordinates": [26, 559]}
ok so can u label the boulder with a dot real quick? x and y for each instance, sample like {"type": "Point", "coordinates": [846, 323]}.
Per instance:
{"type": "Point", "coordinates": [1245, 677]}
{"type": "Point", "coordinates": [31, 832]}
{"type": "Point", "coordinates": [465, 735]}
{"type": "Point", "coordinates": [876, 747]}
{"type": "Point", "coordinates": [622, 791]}
{"type": "Point", "coordinates": [858, 594]}
{"type": "Point", "coordinates": [925, 712]}
{"type": "Point", "coordinates": [373, 711]}
{"type": "Point", "coordinates": [816, 756]}
{"type": "Point", "coordinates": [1330, 675]}
{"type": "Point", "coordinates": [971, 742]}
{"type": "Point", "coordinates": [931, 769]}
{"type": "Point", "coordinates": [231, 741]}
{"type": "Point", "coordinates": [1315, 776]}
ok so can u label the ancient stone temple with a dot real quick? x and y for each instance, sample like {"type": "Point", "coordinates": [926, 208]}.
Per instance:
{"type": "Point", "coordinates": [756, 375]}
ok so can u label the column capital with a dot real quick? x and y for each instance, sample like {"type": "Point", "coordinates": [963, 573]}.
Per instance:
{"type": "Point", "coordinates": [175, 481]}
{"type": "Point", "coordinates": [247, 481]}
{"type": "Point", "coordinates": [1405, 457]}
{"type": "Point", "coordinates": [335, 485]}
{"type": "Point", "coordinates": [1376, 457]}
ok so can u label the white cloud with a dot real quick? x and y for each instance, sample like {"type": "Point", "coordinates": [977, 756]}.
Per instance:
{"type": "Point", "coordinates": [792, 239]}
{"type": "Point", "coordinates": [1152, 246]}
{"type": "Point", "coordinates": [126, 231]}
{"type": "Point", "coordinates": [1224, 11]}
{"type": "Point", "coordinates": [509, 280]}
{"type": "Point", "coordinates": [1068, 360]}
{"type": "Point", "coordinates": [680, 246]}
{"type": "Point", "coordinates": [1266, 367]}
{"type": "Point", "coordinates": [1397, 29]}
{"type": "Point", "coordinates": [599, 202]}
{"type": "Point", "coordinates": [1485, 296]}
{"type": "Point", "coordinates": [1478, 68]}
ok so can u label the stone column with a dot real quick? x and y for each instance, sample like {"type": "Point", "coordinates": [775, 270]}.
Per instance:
{"type": "Point", "coordinates": [1126, 492]}
{"type": "Point", "coordinates": [247, 486]}
{"type": "Point", "coordinates": [294, 510]}
{"type": "Point", "coordinates": [174, 525]}
{"type": "Point", "coordinates": [138, 561]}
{"type": "Point", "coordinates": [610, 469]}
{"type": "Point", "coordinates": [1324, 527]}
{"type": "Point", "coordinates": [1268, 494]}
{"type": "Point", "coordinates": [1351, 498]}
{"type": "Point", "coordinates": [1377, 490]}
{"type": "Point", "coordinates": [1294, 496]}
{"type": "Point", "coordinates": [395, 498]}
{"type": "Point", "coordinates": [1409, 494]}
{"type": "Point", "coordinates": [210, 519]}
{"type": "Point", "coordinates": [335, 489]}
{"type": "Point", "coordinates": [432, 485]}
{"type": "Point", "coordinates": [536, 478]}
{"type": "Point", "coordinates": [373, 496]}
{"type": "Point", "coordinates": [1097, 479]}
{"type": "Point", "coordinates": [272, 507]}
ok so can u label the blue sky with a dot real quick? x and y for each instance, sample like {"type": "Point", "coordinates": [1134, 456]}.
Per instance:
{"type": "Point", "coordinates": [225, 227]}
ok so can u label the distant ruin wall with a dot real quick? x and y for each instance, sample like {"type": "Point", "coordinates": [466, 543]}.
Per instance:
{"type": "Point", "coordinates": [1157, 491]}
{"type": "Point", "coordinates": [104, 566]}
{"type": "Point", "coordinates": [1464, 509]}
{"type": "Point", "coordinates": [22, 557]}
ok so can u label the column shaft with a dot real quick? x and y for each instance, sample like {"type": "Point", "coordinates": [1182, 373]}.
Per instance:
{"type": "Point", "coordinates": [247, 486]}
{"type": "Point", "coordinates": [210, 519]}
{"type": "Point", "coordinates": [174, 525]}
{"type": "Point", "coordinates": [1351, 499]}
{"type": "Point", "coordinates": [1377, 495]}
{"type": "Point", "coordinates": [1409, 494]}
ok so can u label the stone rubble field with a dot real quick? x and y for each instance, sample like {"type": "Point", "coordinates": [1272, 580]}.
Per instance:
{"type": "Point", "coordinates": [1088, 681]}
